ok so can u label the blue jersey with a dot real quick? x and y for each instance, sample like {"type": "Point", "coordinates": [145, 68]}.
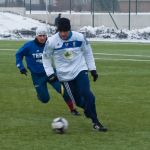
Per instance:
{"type": "Point", "coordinates": [32, 51]}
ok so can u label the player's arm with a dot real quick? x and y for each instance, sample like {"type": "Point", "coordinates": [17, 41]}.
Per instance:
{"type": "Point", "coordinates": [47, 61]}
{"type": "Point", "coordinates": [19, 59]}
{"type": "Point", "coordinates": [89, 58]}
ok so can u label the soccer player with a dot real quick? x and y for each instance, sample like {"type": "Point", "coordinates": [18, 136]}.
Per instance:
{"type": "Point", "coordinates": [57, 20]}
{"type": "Point", "coordinates": [32, 51]}
{"type": "Point", "coordinates": [73, 58]}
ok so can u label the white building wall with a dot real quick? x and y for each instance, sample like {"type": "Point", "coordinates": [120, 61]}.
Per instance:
{"type": "Point", "coordinates": [80, 20]}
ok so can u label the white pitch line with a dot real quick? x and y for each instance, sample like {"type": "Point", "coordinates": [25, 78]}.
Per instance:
{"type": "Point", "coordinates": [104, 54]}
{"type": "Point", "coordinates": [120, 55]}
{"type": "Point", "coordinates": [121, 59]}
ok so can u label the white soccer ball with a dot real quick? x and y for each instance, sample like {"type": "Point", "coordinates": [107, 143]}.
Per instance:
{"type": "Point", "coordinates": [59, 125]}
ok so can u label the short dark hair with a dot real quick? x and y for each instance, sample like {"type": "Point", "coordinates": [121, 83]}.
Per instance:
{"type": "Point", "coordinates": [64, 24]}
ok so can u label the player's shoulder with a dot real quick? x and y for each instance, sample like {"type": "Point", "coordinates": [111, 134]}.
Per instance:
{"type": "Point", "coordinates": [77, 35]}
{"type": "Point", "coordinates": [53, 38]}
{"type": "Point", "coordinates": [51, 41]}
{"type": "Point", "coordinates": [28, 44]}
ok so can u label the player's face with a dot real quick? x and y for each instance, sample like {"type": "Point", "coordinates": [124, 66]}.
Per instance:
{"type": "Point", "coordinates": [64, 34]}
{"type": "Point", "coordinates": [41, 38]}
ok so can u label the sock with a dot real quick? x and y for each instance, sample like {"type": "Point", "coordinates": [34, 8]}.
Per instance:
{"type": "Point", "coordinates": [70, 105]}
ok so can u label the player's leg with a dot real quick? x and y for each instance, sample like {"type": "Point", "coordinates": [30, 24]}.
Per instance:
{"type": "Point", "coordinates": [83, 86]}
{"type": "Point", "coordinates": [84, 99]}
{"type": "Point", "coordinates": [60, 89]}
{"type": "Point", "coordinates": [40, 84]}
{"type": "Point", "coordinates": [74, 93]}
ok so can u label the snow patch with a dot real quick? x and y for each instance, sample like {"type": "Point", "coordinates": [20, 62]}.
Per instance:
{"type": "Point", "coordinates": [103, 32]}
{"type": "Point", "coordinates": [16, 26]}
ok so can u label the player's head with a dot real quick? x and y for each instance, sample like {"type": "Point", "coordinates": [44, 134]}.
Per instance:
{"type": "Point", "coordinates": [64, 28]}
{"type": "Point", "coordinates": [59, 15]}
{"type": "Point", "coordinates": [41, 34]}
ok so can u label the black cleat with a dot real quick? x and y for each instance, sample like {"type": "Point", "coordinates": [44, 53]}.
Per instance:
{"type": "Point", "coordinates": [75, 112]}
{"type": "Point", "coordinates": [99, 127]}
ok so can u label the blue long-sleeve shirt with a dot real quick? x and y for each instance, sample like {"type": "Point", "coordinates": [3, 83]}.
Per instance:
{"type": "Point", "coordinates": [32, 51]}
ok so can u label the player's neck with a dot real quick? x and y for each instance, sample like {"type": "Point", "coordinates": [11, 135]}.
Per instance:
{"type": "Point", "coordinates": [69, 36]}
{"type": "Point", "coordinates": [38, 43]}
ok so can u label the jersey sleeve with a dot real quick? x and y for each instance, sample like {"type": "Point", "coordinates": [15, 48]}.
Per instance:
{"type": "Point", "coordinates": [47, 58]}
{"type": "Point", "coordinates": [20, 55]}
{"type": "Point", "coordinates": [88, 54]}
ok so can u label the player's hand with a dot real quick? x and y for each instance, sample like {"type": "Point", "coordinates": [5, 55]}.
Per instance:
{"type": "Point", "coordinates": [24, 71]}
{"type": "Point", "coordinates": [94, 75]}
{"type": "Point", "coordinates": [52, 78]}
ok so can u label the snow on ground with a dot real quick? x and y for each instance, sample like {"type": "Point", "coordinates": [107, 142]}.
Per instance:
{"type": "Point", "coordinates": [14, 26]}
{"type": "Point", "coordinates": [9, 22]}
{"type": "Point", "coordinates": [110, 34]}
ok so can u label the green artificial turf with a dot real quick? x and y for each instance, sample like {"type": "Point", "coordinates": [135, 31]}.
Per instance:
{"type": "Point", "coordinates": [122, 98]}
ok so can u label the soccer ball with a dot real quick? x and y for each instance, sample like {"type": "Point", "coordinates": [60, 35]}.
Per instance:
{"type": "Point", "coordinates": [59, 125]}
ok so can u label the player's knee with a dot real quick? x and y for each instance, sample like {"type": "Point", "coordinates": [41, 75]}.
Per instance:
{"type": "Point", "coordinates": [44, 99]}
{"type": "Point", "coordinates": [87, 114]}
{"type": "Point", "coordinates": [81, 103]}
{"type": "Point", "coordinates": [93, 98]}
{"type": "Point", "coordinates": [57, 86]}
{"type": "Point", "coordinates": [89, 96]}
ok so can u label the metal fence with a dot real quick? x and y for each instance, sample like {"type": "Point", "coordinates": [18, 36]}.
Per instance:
{"type": "Point", "coordinates": [119, 6]}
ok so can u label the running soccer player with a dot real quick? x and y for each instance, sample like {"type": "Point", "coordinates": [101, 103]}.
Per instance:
{"type": "Point", "coordinates": [73, 58]}
{"type": "Point", "coordinates": [32, 51]}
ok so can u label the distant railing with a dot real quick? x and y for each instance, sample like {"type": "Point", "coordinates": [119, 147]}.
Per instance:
{"type": "Point", "coordinates": [122, 6]}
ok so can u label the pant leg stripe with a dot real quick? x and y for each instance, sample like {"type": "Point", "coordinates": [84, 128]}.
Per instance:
{"type": "Point", "coordinates": [69, 91]}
